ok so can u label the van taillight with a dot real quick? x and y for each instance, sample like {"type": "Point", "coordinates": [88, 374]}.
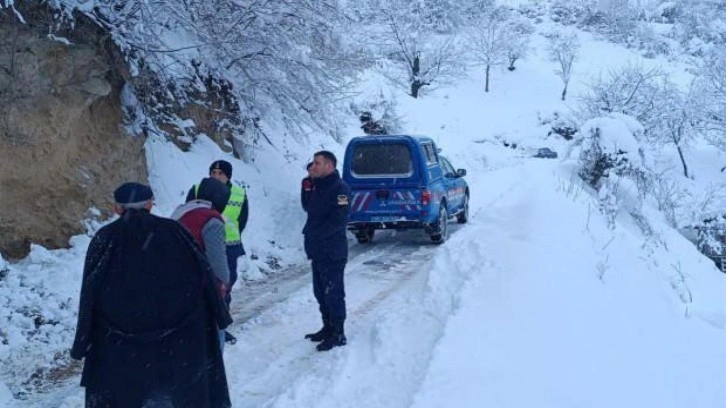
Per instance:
{"type": "Point", "coordinates": [425, 196]}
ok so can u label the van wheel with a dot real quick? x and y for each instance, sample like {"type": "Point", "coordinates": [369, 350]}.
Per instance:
{"type": "Point", "coordinates": [365, 236]}
{"type": "Point", "coordinates": [463, 216]}
{"type": "Point", "coordinates": [441, 230]}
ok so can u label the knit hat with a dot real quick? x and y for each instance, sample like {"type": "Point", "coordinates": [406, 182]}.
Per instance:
{"type": "Point", "coordinates": [223, 165]}
{"type": "Point", "coordinates": [132, 193]}
{"type": "Point", "coordinates": [214, 191]}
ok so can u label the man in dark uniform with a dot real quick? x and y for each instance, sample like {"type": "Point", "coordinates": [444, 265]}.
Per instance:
{"type": "Point", "coordinates": [149, 314]}
{"type": "Point", "coordinates": [326, 245]}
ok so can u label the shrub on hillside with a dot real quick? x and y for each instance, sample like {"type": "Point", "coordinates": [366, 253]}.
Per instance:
{"type": "Point", "coordinates": [560, 124]}
{"type": "Point", "coordinates": [613, 163]}
{"type": "Point", "coordinates": [610, 145]}
{"type": "Point", "coordinates": [377, 116]}
{"type": "Point", "coordinates": [712, 240]}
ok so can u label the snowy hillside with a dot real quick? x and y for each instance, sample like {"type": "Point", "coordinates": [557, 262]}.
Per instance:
{"type": "Point", "coordinates": [546, 298]}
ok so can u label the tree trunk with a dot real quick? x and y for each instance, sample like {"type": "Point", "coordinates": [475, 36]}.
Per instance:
{"type": "Point", "coordinates": [486, 86]}
{"type": "Point", "coordinates": [564, 92]}
{"type": "Point", "coordinates": [415, 70]}
{"type": "Point", "coordinates": [415, 87]}
{"type": "Point", "coordinates": [683, 161]}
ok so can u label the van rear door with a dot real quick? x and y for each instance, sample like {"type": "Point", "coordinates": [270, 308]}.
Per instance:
{"type": "Point", "coordinates": [385, 181]}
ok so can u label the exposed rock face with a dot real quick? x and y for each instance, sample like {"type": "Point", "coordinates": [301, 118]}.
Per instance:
{"type": "Point", "coordinates": [62, 146]}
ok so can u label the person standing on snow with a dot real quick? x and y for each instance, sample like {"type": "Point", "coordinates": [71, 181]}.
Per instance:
{"type": "Point", "coordinates": [149, 313]}
{"type": "Point", "coordinates": [306, 188]}
{"type": "Point", "coordinates": [236, 213]}
{"type": "Point", "coordinates": [326, 245]}
{"type": "Point", "coordinates": [202, 217]}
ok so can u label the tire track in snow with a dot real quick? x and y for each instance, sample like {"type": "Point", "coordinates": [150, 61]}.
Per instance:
{"type": "Point", "coordinates": [271, 353]}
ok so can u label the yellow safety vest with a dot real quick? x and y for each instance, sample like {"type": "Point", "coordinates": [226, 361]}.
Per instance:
{"type": "Point", "coordinates": [231, 214]}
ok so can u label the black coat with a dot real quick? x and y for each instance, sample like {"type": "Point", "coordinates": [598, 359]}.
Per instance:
{"type": "Point", "coordinates": [325, 229]}
{"type": "Point", "coordinates": [148, 318]}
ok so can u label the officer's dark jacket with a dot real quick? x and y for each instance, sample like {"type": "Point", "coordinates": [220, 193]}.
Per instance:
{"type": "Point", "coordinates": [325, 229]}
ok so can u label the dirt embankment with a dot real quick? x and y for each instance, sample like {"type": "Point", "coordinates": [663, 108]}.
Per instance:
{"type": "Point", "coordinates": [62, 146]}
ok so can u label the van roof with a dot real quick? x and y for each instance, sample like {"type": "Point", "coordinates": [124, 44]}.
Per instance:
{"type": "Point", "coordinates": [382, 138]}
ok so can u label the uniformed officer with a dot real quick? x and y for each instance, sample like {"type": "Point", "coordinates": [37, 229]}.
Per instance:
{"type": "Point", "coordinates": [236, 213]}
{"type": "Point", "coordinates": [326, 246]}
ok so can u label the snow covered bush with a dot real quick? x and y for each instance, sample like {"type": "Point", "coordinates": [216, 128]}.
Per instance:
{"type": "Point", "coordinates": [533, 9]}
{"type": "Point", "coordinates": [651, 43]}
{"type": "Point", "coordinates": [377, 116]}
{"type": "Point", "coordinates": [597, 162]}
{"type": "Point", "coordinates": [613, 162]}
{"type": "Point", "coordinates": [711, 88]}
{"type": "Point", "coordinates": [700, 25]}
{"type": "Point", "coordinates": [571, 12]}
{"type": "Point", "coordinates": [561, 124]}
{"type": "Point", "coordinates": [710, 238]}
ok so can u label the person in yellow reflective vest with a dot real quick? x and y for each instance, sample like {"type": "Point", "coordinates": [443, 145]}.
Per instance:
{"type": "Point", "coordinates": [236, 212]}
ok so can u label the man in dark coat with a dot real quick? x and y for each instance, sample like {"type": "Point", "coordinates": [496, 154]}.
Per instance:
{"type": "Point", "coordinates": [326, 245]}
{"type": "Point", "coordinates": [149, 313]}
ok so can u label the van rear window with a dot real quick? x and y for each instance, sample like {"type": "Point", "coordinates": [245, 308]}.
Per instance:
{"type": "Point", "coordinates": [382, 160]}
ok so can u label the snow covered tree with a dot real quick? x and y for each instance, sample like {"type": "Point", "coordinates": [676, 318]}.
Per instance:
{"type": "Point", "coordinates": [517, 45]}
{"type": "Point", "coordinates": [617, 19]}
{"type": "Point", "coordinates": [500, 37]}
{"type": "Point", "coordinates": [572, 12]}
{"type": "Point", "coordinates": [669, 116]}
{"type": "Point", "coordinates": [421, 58]}
{"type": "Point", "coordinates": [564, 50]}
{"type": "Point", "coordinates": [711, 89]}
{"type": "Point", "coordinates": [631, 90]}
{"type": "Point", "coordinates": [698, 24]}
{"type": "Point", "coordinates": [283, 60]}
{"type": "Point", "coordinates": [679, 118]}
{"type": "Point", "coordinates": [443, 16]}
{"type": "Point", "coordinates": [489, 41]}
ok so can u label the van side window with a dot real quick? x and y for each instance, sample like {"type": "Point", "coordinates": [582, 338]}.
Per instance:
{"type": "Point", "coordinates": [447, 168]}
{"type": "Point", "coordinates": [430, 153]}
{"type": "Point", "coordinates": [382, 160]}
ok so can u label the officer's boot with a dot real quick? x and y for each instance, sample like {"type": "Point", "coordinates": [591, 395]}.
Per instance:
{"type": "Point", "coordinates": [321, 334]}
{"type": "Point", "coordinates": [335, 339]}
